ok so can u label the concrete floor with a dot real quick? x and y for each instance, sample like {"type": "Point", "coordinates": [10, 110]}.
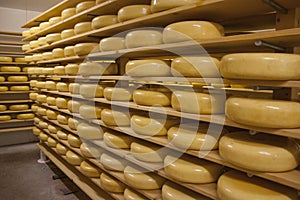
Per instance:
{"type": "Point", "coordinates": [22, 178]}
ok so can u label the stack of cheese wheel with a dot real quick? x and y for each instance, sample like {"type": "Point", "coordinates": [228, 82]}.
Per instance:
{"type": "Point", "coordinates": [256, 66]}
{"type": "Point", "coordinates": [155, 125]}
{"type": "Point", "coordinates": [147, 152]}
{"type": "Point", "coordinates": [89, 170]}
{"type": "Point", "coordinates": [74, 88]}
{"type": "Point", "coordinates": [84, 6]}
{"type": "Point", "coordinates": [111, 184]}
{"type": "Point", "coordinates": [130, 194]}
{"type": "Point", "coordinates": [69, 51]}
{"type": "Point", "coordinates": [260, 152]}
{"type": "Point", "coordinates": [264, 112]}
{"type": "Point", "coordinates": [147, 68]}
{"type": "Point", "coordinates": [73, 123]}
{"type": "Point", "coordinates": [90, 111]}
{"type": "Point", "coordinates": [160, 5]}
{"type": "Point", "coordinates": [73, 158]}
{"type": "Point", "coordinates": [97, 68]}
{"type": "Point", "coordinates": [113, 163]}
{"type": "Point", "coordinates": [191, 169]}
{"type": "Point", "coordinates": [54, 20]}
{"type": "Point", "coordinates": [82, 27]}
{"type": "Point", "coordinates": [68, 12]}
{"type": "Point", "coordinates": [90, 132]}
{"type": "Point", "coordinates": [192, 30]}
{"type": "Point", "coordinates": [132, 12]}
{"type": "Point", "coordinates": [117, 140]}
{"type": "Point", "coordinates": [118, 94]}
{"type": "Point", "coordinates": [141, 38]}
{"type": "Point", "coordinates": [82, 49]}
{"type": "Point", "coordinates": [115, 117]}
{"type": "Point", "coordinates": [202, 103]}
{"type": "Point", "coordinates": [152, 97]}
{"type": "Point", "coordinates": [90, 151]}
{"type": "Point", "coordinates": [58, 53]}
{"type": "Point", "coordinates": [10, 69]}
{"type": "Point", "coordinates": [91, 91]}
{"type": "Point", "coordinates": [196, 136]}
{"type": "Point", "coordinates": [52, 37]}
{"type": "Point", "coordinates": [67, 33]}
{"type": "Point", "coordinates": [74, 141]}
{"type": "Point", "coordinates": [236, 185]}
{"type": "Point", "coordinates": [104, 20]}
{"type": "Point", "coordinates": [71, 69]}
{"type": "Point", "coordinates": [62, 150]}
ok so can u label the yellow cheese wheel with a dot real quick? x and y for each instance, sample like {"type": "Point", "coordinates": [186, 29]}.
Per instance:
{"type": "Point", "coordinates": [5, 117]}
{"type": "Point", "coordinates": [67, 33]}
{"type": "Point", "coordinates": [62, 119]}
{"type": "Point", "coordinates": [90, 151]}
{"type": "Point", "coordinates": [26, 33]}
{"type": "Point", "coordinates": [19, 88]}
{"type": "Point", "coordinates": [68, 12]}
{"type": "Point", "coordinates": [59, 70]}
{"type": "Point", "coordinates": [111, 184]}
{"type": "Point", "coordinates": [36, 120]}
{"type": "Point", "coordinates": [69, 51]}
{"type": "Point", "coordinates": [36, 131]}
{"type": "Point", "coordinates": [161, 5]}
{"type": "Point", "coordinates": [28, 59]}
{"type": "Point", "coordinates": [58, 53]}
{"type": "Point", "coordinates": [62, 135]}
{"type": "Point", "coordinates": [42, 41]}
{"type": "Point", "coordinates": [113, 163]}
{"type": "Point", "coordinates": [192, 30]}
{"type": "Point", "coordinates": [74, 141]}
{"type": "Point", "coordinates": [19, 60]}
{"type": "Point", "coordinates": [191, 169]}
{"type": "Point", "coordinates": [34, 30]}
{"type": "Point", "coordinates": [51, 101]}
{"type": "Point", "coordinates": [62, 102]}
{"type": "Point", "coordinates": [37, 57]}
{"type": "Point", "coordinates": [44, 25]}
{"type": "Point", "coordinates": [31, 71]}
{"type": "Point", "coordinates": [42, 111]}
{"type": "Point", "coordinates": [73, 123]}
{"type": "Point", "coordinates": [202, 103]}
{"type": "Point", "coordinates": [73, 158]}
{"type": "Point", "coordinates": [90, 112]}
{"type": "Point", "coordinates": [41, 84]}
{"type": "Point", "coordinates": [54, 20]}
{"type": "Point", "coordinates": [25, 116]}
{"type": "Point", "coordinates": [118, 94]}
{"type": "Point", "coordinates": [53, 129]}
{"type": "Point", "coordinates": [3, 107]}
{"type": "Point", "coordinates": [43, 136]}
{"type": "Point", "coordinates": [6, 59]}
{"type": "Point", "coordinates": [196, 66]}
{"type": "Point", "coordinates": [73, 106]}
{"type": "Point", "coordinates": [112, 44]}
{"type": "Point", "coordinates": [97, 68]}
{"type": "Point", "coordinates": [51, 114]}
{"type": "Point", "coordinates": [51, 142]}
{"type": "Point", "coordinates": [19, 107]}
{"type": "Point", "coordinates": [91, 132]}
{"type": "Point", "coordinates": [91, 91]}
{"type": "Point", "coordinates": [256, 66]}
{"type": "Point", "coordinates": [261, 152]}
{"type": "Point", "coordinates": [138, 179]}
{"type": "Point", "coordinates": [84, 6]}
{"type": "Point", "coordinates": [104, 20]}
{"type": "Point", "coordinates": [42, 98]}
{"type": "Point", "coordinates": [147, 152]}
{"type": "Point", "coordinates": [48, 71]}
{"type": "Point", "coordinates": [25, 69]}
{"type": "Point", "coordinates": [3, 88]}
{"type": "Point", "coordinates": [89, 170]}
{"type": "Point", "coordinates": [62, 87]}
{"type": "Point", "coordinates": [34, 44]}
{"type": "Point", "coordinates": [130, 194]}
{"type": "Point", "coordinates": [143, 38]}
{"type": "Point", "coordinates": [47, 55]}
{"type": "Point", "coordinates": [43, 125]}
{"type": "Point", "coordinates": [152, 126]}
{"type": "Point", "coordinates": [82, 49]}
{"type": "Point", "coordinates": [132, 12]}
{"type": "Point", "coordinates": [147, 68]}
{"type": "Point", "coordinates": [117, 140]}
{"type": "Point", "coordinates": [50, 85]}
{"type": "Point", "coordinates": [235, 185]}
{"type": "Point", "coordinates": [34, 107]}
{"type": "Point", "coordinates": [61, 149]}
{"type": "Point", "coordinates": [159, 97]}
{"type": "Point", "coordinates": [82, 27]}
{"type": "Point", "coordinates": [115, 118]}
{"type": "Point", "coordinates": [26, 47]}
{"type": "Point", "coordinates": [71, 69]}
{"type": "Point", "coordinates": [10, 69]}
{"type": "Point", "coordinates": [264, 112]}
{"type": "Point", "coordinates": [53, 37]}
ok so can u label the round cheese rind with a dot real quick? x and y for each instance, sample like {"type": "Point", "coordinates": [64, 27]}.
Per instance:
{"type": "Point", "coordinates": [33, 95]}
{"type": "Point", "coordinates": [90, 151]}
{"type": "Point", "coordinates": [28, 59]}
{"type": "Point", "coordinates": [6, 59]}
{"type": "Point", "coordinates": [202, 103]}
{"type": "Point", "coordinates": [69, 12]}
{"type": "Point", "coordinates": [26, 47]}
{"type": "Point", "coordinates": [41, 84]}
{"type": "Point", "coordinates": [51, 101]}
{"type": "Point", "coordinates": [147, 68]}
{"type": "Point", "coordinates": [25, 116]}
{"type": "Point", "coordinates": [3, 107]}
{"type": "Point", "coordinates": [192, 30]}
{"type": "Point", "coordinates": [62, 150]}
{"type": "Point", "coordinates": [67, 33]}
{"type": "Point", "coordinates": [97, 68]}
{"type": "Point", "coordinates": [82, 49]}
{"type": "Point", "coordinates": [118, 94]}
{"type": "Point", "coordinates": [3, 88]}
{"type": "Point", "coordinates": [152, 97]}
{"type": "Point", "coordinates": [88, 170]}
{"type": "Point", "coordinates": [132, 195]}
{"type": "Point", "coordinates": [51, 114]}
{"type": "Point", "coordinates": [263, 112]}
{"type": "Point", "coordinates": [43, 125]}
{"type": "Point", "coordinates": [62, 87]}
{"type": "Point", "coordinates": [58, 53]}
{"type": "Point", "coordinates": [74, 141]}
{"type": "Point", "coordinates": [87, 131]}
{"type": "Point", "coordinates": [54, 20]}
{"type": "Point", "coordinates": [62, 119]}
{"type": "Point", "coordinates": [50, 85]}
{"type": "Point", "coordinates": [42, 111]}
{"type": "Point", "coordinates": [112, 44]}
{"type": "Point", "coordinates": [161, 5]}
{"type": "Point", "coordinates": [143, 38]}
{"type": "Point", "coordinates": [47, 55]}
{"type": "Point", "coordinates": [256, 66]}
{"type": "Point", "coordinates": [117, 140]}
{"type": "Point", "coordinates": [74, 88]}
{"type": "Point", "coordinates": [84, 6]}
{"type": "Point", "coordinates": [147, 152]}
{"type": "Point", "coordinates": [43, 137]}
{"type": "Point", "coordinates": [34, 107]}
{"type": "Point", "coordinates": [19, 88]}
{"type": "Point", "coordinates": [115, 118]}
{"type": "Point", "coordinates": [26, 33]}
{"type": "Point", "coordinates": [61, 103]}
{"type": "Point", "coordinates": [42, 41]}
{"type": "Point", "coordinates": [82, 27]}
{"type": "Point", "coordinates": [36, 131]}
{"type": "Point", "coordinates": [235, 185]}
{"type": "Point", "coordinates": [260, 152]}
{"type": "Point", "coordinates": [90, 112]}
{"type": "Point", "coordinates": [73, 158]}
{"type": "Point", "coordinates": [53, 129]}
{"type": "Point", "coordinates": [5, 117]}
{"type": "Point", "coordinates": [59, 70]}
{"type": "Point", "coordinates": [48, 71]}
{"type": "Point", "coordinates": [51, 142]}
{"type": "Point", "coordinates": [69, 51]}
{"type": "Point", "coordinates": [37, 57]}
{"type": "Point", "coordinates": [34, 30]}
{"type": "Point", "coordinates": [19, 60]}
{"type": "Point", "coordinates": [62, 135]}
{"type": "Point", "coordinates": [104, 20]}
{"type": "Point", "coordinates": [71, 69]}
{"type": "Point", "coordinates": [53, 37]}
{"type": "Point", "coordinates": [195, 170]}
{"type": "Point", "coordinates": [73, 106]}
{"type": "Point", "coordinates": [132, 12]}
{"type": "Point", "coordinates": [91, 91]}
{"type": "Point", "coordinates": [44, 25]}
{"type": "Point", "coordinates": [113, 163]}
{"type": "Point", "coordinates": [34, 44]}
{"type": "Point", "coordinates": [111, 184]}
{"type": "Point", "coordinates": [19, 107]}
{"type": "Point", "coordinates": [10, 69]}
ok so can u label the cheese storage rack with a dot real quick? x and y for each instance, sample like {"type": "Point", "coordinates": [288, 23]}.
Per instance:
{"type": "Point", "coordinates": [14, 131]}
{"type": "Point", "coordinates": [239, 21]}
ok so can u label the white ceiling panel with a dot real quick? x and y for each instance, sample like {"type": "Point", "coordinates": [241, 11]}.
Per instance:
{"type": "Point", "coordinates": [34, 5]}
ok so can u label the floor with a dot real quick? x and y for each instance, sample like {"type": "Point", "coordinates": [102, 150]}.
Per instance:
{"type": "Point", "coordinates": [22, 178]}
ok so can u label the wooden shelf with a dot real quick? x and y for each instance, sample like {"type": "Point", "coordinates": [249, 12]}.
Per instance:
{"type": "Point", "coordinates": [8, 130]}
{"type": "Point", "coordinates": [12, 63]}
{"type": "Point", "coordinates": [11, 53]}
{"type": "Point", "coordinates": [14, 111]}
{"type": "Point", "coordinates": [15, 101]}
{"type": "Point", "coordinates": [15, 92]}
{"type": "Point", "coordinates": [61, 60]}
{"type": "Point", "coordinates": [16, 121]}
{"type": "Point", "coordinates": [13, 73]}
{"type": "Point", "coordinates": [10, 33]}
{"type": "Point", "coordinates": [14, 83]}
{"type": "Point", "coordinates": [11, 43]}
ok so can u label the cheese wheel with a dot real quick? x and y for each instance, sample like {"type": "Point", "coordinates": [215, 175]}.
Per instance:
{"type": "Point", "coordinates": [235, 185]}
{"type": "Point", "coordinates": [151, 126]}
{"type": "Point", "coordinates": [112, 44]}
{"type": "Point", "coordinates": [33, 96]}
{"type": "Point", "coordinates": [36, 120]}
{"type": "Point", "coordinates": [26, 47]}
{"type": "Point", "coordinates": [61, 103]}
{"type": "Point", "coordinates": [256, 66]}
{"type": "Point", "coordinates": [73, 106]}
{"type": "Point", "coordinates": [91, 91]}
{"type": "Point", "coordinates": [143, 38]}
{"type": "Point", "coordinates": [117, 140]}
{"type": "Point", "coordinates": [58, 53]}
{"type": "Point", "coordinates": [6, 59]}
{"type": "Point", "coordinates": [38, 71]}
{"type": "Point", "coordinates": [161, 97]}
{"type": "Point", "coordinates": [82, 49]}
{"type": "Point", "coordinates": [90, 151]}
{"type": "Point", "coordinates": [104, 20]}
{"type": "Point", "coordinates": [51, 142]}
{"type": "Point", "coordinates": [62, 119]}
{"type": "Point", "coordinates": [147, 152]}
{"type": "Point", "coordinates": [84, 6]}
{"type": "Point", "coordinates": [132, 12]}
{"type": "Point", "coordinates": [3, 88]}
{"type": "Point", "coordinates": [138, 179]}
{"type": "Point", "coordinates": [25, 116]}
{"type": "Point", "coordinates": [42, 98]}
{"type": "Point", "coordinates": [51, 101]}
{"type": "Point", "coordinates": [28, 59]}
{"type": "Point", "coordinates": [132, 195]}
{"type": "Point", "coordinates": [59, 70]}
{"type": "Point", "coordinates": [10, 69]}
{"type": "Point", "coordinates": [31, 71]}
{"type": "Point", "coordinates": [73, 158]}
{"type": "Point", "coordinates": [90, 112]}
{"type": "Point", "coordinates": [36, 131]}
{"type": "Point", "coordinates": [118, 94]}
{"type": "Point", "coordinates": [26, 33]}
{"type": "Point", "coordinates": [147, 68]}
{"type": "Point", "coordinates": [87, 131]}
{"type": "Point", "coordinates": [42, 111]}
{"type": "Point", "coordinates": [192, 30]}
{"type": "Point", "coordinates": [51, 114]}
{"type": "Point", "coordinates": [43, 136]}
{"type": "Point", "coordinates": [43, 125]}
{"type": "Point", "coordinates": [88, 170]}
{"type": "Point", "coordinates": [111, 184]}
{"type": "Point", "coordinates": [171, 191]}
{"type": "Point", "coordinates": [74, 141]}
{"type": "Point", "coordinates": [3, 107]}
{"type": "Point", "coordinates": [67, 33]}
{"type": "Point", "coordinates": [71, 69]}
{"type": "Point", "coordinates": [62, 135]}
{"type": "Point", "coordinates": [191, 169]}
{"type": "Point", "coordinates": [47, 55]}
{"type": "Point", "coordinates": [37, 57]}
{"type": "Point", "coordinates": [115, 118]}
{"type": "Point", "coordinates": [54, 20]}
{"type": "Point", "coordinates": [264, 112]}
{"type": "Point", "coordinates": [202, 103]}
{"type": "Point", "coordinates": [53, 129]}
{"type": "Point", "coordinates": [113, 163]}
{"type": "Point", "coordinates": [50, 85]}
{"type": "Point", "coordinates": [19, 88]}
{"type": "Point", "coordinates": [42, 41]}
{"type": "Point", "coordinates": [69, 12]}
{"type": "Point", "coordinates": [44, 25]}
{"type": "Point", "coordinates": [192, 66]}
{"type": "Point", "coordinates": [61, 149]}
{"type": "Point", "coordinates": [161, 5]}
{"type": "Point", "coordinates": [34, 107]}
{"type": "Point", "coordinates": [41, 84]}
{"type": "Point", "coordinates": [19, 60]}
{"type": "Point", "coordinates": [5, 117]}
{"type": "Point", "coordinates": [62, 87]}
{"type": "Point", "coordinates": [96, 68]}
{"type": "Point", "coordinates": [100, 1]}
{"type": "Point", "coordinates": [19, 107]}
{"type": "Point", "coordinates": [34, 30]}
{"type": "Point", "coordinates": [261, 152]}
{"type": "Point", "coordinates": [53, 37]}
{"type": "Point", "coordinates": [69, 51]}
{"type": "Point", "coordinates": [82, 27]}
{"type": "Point", "coordinates": [48, 71]}
{"type": "Point", "coordinates": [34, 44]}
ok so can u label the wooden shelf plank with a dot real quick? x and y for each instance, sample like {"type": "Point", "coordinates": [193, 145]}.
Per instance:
{"type": "Point", "coordinates": [61, 60]}
{"type": "Point", "coordinates": [13, 73]}
{"type": "Point", "coordinates": [14, 83]}
{"type": "Point", "coordinates": [16, 121]}
{"type": "Point", "coordinates": [10, 33]}
{"type": "Point", "coordinates": [6, 130]}
{"type": "Point", "coordinates": [12, 63]}
{"type": "Point", "coordinates": [11, 43]}
{"type": "Point", "coordinates": [14, 111]}
{"type": "Point", "coordinates": [15, 92]}
{"type": "Point", "coordinates": [11, 53]}
{"type": "Point", "coordinates": [15, 101]}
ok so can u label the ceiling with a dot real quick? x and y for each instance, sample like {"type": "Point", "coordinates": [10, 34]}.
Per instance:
{"type": "Point", "coordinates": [35, 5]}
